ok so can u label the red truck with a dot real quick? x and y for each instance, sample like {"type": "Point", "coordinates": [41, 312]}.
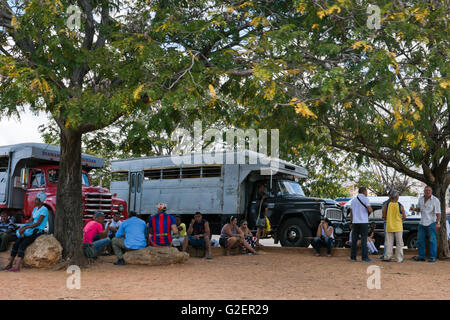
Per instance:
{"type": "Point", "coordinates": [29, 168]}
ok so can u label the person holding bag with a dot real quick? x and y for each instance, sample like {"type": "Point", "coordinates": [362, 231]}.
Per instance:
{"type": "Point", "coordinates": [360, 210]}
{"type": "Point", "coordinates": [28, 233]}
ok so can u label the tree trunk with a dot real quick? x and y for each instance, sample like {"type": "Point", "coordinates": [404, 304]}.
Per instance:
{"type": "Point", "coordinates": [68, 215]}
{"type": "Point", "coordinates": [443, 250]}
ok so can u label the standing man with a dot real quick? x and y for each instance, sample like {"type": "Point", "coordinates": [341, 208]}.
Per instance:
{"type": "Point", "coordinates": [359, 215]}
{"type": "Point", "coordinates": [28, 233]}
{"type": "Point", "coordinates": [261, 196]}
{"type": "Point", "coordinates": [394, 215]}
{"type": "Point", "coordinates": [160, 226]}
{"type": "Point", "coordinates": [430, 210]}
{"type": "Point", "coordinates": [135, 232]}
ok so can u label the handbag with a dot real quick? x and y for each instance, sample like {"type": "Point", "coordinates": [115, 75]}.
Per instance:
{"type": "Point", "coordinates": [363, 204]}
{"type": "Point", "coordinates": [268, 227]}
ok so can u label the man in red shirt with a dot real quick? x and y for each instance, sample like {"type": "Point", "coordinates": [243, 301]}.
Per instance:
{"type": "Point", "coordinates": [95, 234]}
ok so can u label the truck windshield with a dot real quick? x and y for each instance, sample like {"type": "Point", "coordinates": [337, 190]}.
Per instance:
{"type": "Point", "coordinates": [290, 188]}
{"type": "Point", "coordinates": [54, 173]}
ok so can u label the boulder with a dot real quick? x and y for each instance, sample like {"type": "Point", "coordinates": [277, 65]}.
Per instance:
{"type": "Point", "coordinates": [44, 252]}
{"type": "Point", "coordinates": [155, 256]}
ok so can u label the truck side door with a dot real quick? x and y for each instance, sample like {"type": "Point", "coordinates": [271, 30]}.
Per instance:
{"type": "Point", "coordinates": [135, 191]}
{"type": "Point", "coordinates": [36, 185]}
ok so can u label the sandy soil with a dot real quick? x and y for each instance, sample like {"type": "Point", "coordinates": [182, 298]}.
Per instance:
{"type": "Point", "coordinates": [272, 275]}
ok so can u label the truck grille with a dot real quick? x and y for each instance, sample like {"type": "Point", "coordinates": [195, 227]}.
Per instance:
{"type": "Point", "coordinates": [333, 214]}
{"type": "Point", "coordinates": [96, 201]}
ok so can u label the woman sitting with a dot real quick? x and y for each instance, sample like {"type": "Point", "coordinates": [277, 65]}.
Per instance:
{"type": "Point", "coordinates": [29, 232]}
{"type": "Point", "coordinates": [324, 237]}
{"type": "Point", "coordinates": [248, 235]}
{"type": "Point", "coordinates": [231, 236]}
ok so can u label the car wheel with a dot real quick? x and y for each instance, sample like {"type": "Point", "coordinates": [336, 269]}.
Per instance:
{"type": "Point", "coordinates": [50, 228]}
{"type": "Point", "coordinates": [294, 233]}
{"type": "Point", "coordinates": [411, 243]}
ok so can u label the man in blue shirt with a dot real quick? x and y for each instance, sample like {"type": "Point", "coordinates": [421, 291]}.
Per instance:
{"type": "Point", "coordinates": [135, 232]}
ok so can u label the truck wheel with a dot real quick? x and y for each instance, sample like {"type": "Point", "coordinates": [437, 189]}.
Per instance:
{"type": "Point", "coordinates": [50, 222]}
{"type": "Point", "coordinates": [411, 243]}
{"type": "Point", "coordinates": [294, 233]}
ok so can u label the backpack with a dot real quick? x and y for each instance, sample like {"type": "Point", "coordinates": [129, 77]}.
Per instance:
{"type": "Point", "coordinates": [399, 206]}
{"type": "Point", "coordinates": [89, 250]}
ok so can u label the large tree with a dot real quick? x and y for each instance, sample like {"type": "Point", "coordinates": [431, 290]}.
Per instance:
{"type": "Point", "coordinates": [325, 72]}
{"type": "Point", "coordinates": [126, 57]}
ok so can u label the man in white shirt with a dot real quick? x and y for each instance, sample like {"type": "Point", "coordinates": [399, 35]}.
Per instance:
{"type": "Point", "coordinates": [114, 225]}
{"type": "Point", "coordinates": [430, 210]}
{"type": "Point", "coordinates": [359, 215]}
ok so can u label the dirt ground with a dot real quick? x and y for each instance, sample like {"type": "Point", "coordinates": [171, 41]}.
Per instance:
{"type": "Point", "coordinates": [271, 275]}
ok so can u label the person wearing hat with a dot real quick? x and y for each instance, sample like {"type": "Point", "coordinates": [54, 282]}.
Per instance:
{"type": "Point", "coordinates": [28, 233]}
{"type": "Point", "coordinates": [160, 225]}
{"type": "Point", "coordinates": [7, 231]}
{"type": "Point", "coordinates": [95, 234]}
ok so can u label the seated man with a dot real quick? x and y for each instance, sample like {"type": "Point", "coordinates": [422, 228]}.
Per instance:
{"type": "Point", "coordinates": [135, 232]}
{"type": "Point", "coordinates": [94, 229]}
{"type": "Point", "coordinates": [198, 234]}
{"type": "Point", "coordinates": [178, 239]}
{"type": "Point", "coordinates": [114, 225]}
{"type": "Point", "coordinates": [7, 234]}
{"type": "Point", "coordinates": [160, 225]}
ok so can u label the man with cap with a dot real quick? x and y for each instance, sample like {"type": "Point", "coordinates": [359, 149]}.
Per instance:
{"type": "Point", "coordinates": [160, 225]}
{"type": "Point", "coordinates": [95, 234]}
{"type": "Point", "coordinates": [29, 232]}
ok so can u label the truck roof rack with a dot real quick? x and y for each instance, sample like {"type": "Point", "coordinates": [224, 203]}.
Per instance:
{"type": "Point", "coordinates": [253, 160]}
{"type": "Point", "coordinates": [48, 152]}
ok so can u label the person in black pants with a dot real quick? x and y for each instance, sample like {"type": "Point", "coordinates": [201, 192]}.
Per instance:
{"type": "Point", "coordinates": [359, 215]}
{"type": "Point", "coordinates": [28, 233]}
{"type": "Point", "coordinates": [324, 237]}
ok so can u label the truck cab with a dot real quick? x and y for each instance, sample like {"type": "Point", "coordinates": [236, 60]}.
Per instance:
{"type": "Point", "coordinates": [27, 169]}
{"type": "Point", "coordinates": [293, 216]}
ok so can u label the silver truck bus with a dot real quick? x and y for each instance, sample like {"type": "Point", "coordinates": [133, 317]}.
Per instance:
{"type": "Point", "coordinates": [220, 191]}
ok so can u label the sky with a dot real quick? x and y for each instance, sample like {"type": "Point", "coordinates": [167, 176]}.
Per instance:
{"type": "Point", "coordinates": [14, 131]}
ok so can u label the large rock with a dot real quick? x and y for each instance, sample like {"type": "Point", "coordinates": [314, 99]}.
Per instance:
{"type": "Point", "coordinates": [155, 256]}
{"type": "Point", "coordinates": [44, 252]}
